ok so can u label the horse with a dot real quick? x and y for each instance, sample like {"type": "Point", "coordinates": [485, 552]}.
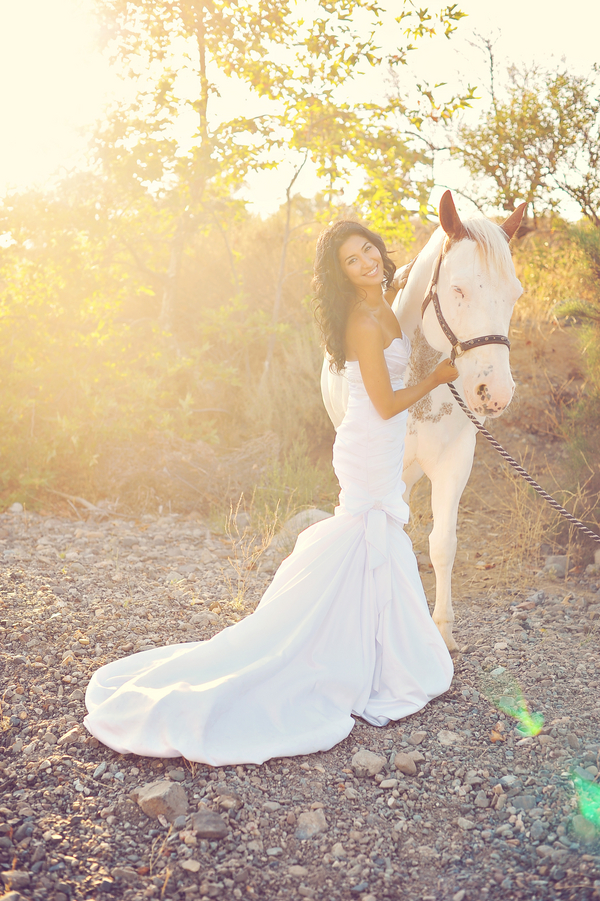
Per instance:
{"type": "Point", "coordinates": [462, 283]}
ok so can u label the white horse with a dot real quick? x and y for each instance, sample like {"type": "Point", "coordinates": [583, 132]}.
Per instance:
{"type": "Point", "coordinates": [467, 271]}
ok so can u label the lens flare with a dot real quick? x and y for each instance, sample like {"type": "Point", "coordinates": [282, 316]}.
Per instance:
{"type": "Point", "coordinates": [509, 699]}
{"type": "Point", "coordinates": [588, 796]}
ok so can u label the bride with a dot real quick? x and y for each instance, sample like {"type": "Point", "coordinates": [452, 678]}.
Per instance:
{"type": "Point", "coordinates": [344, 628]}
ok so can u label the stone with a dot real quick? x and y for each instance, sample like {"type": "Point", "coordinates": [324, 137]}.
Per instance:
{"type": "Point", "coordinates": [12, 896]}
{"type": "Point", "coordinates": [274, 852]}
{"type": "Point", "coordinates": [481, 800]}
{"type": "Point", "coordinates": [573, 741]}
{"type": "Point", "coordinates": [192, 866]}
{"type": "Point", "coordinates": [209, 825]}
{"type": "Point", "coordinates": [465, 824]}
{"type": "Point", "coordinates": [100, 770]}
{"type": "Point", "coordinates": [538, 831]}
{"type": "Point", "coordinates": [405, 764]}
{"type": "Point", "coordinates": [15, 879]}
{"type": "Point", "coordinates": [415, 738]}
{"type": "Point", "coordinates": [583, 829]}
{"type": "Point", "coordinates": [70, 736]}
{"type": "Point", "coordinates": [161, 798]}
{"type": "Point", "coordinates": [15, 508]}
{"type": "Point", "coordinates": [366, 763]}
{"type": "Point", "coordinates": [448, 738]}
{"type": "Point", "coordinates": [388, 783]}
{"type": "Point", "coordinates": [338, 851]}
{"type": "Point", "coordinates": [297, 871]}
{"type": "Point", "coordinates": [271, 806]}
{"type": "Point", "coordinates": [125, 874]}
{"type": "Point", "coordinates": [583, 773]}
{"type": "Point", "coordinates": [460, 895]}
{"type": "Point", "coordinates": [557, 565]}
{"type": "Point", "coordinates": [310, 823]}
{"type": "Point", "coordinates": [524, 802]}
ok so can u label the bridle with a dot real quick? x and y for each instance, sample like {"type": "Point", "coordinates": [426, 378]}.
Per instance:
{"type": "Point", "coordinates": [458, 347]}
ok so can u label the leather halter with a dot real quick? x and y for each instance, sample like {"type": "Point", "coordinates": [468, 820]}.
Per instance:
{"type": "Point", "coordinates": [458, 347]}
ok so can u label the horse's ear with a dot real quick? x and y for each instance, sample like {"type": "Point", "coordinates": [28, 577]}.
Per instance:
{"type": "Point", "coordinates": [514, 220]}
{"type": "Point", "coordinates": [449, 218]}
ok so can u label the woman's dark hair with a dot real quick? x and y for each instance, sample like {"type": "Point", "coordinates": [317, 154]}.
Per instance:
{"type": "Point", "coordinates": [334, 294]}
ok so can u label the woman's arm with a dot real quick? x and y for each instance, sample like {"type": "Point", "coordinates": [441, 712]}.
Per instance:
{"type": "Point", "coordinates": [367, 341]}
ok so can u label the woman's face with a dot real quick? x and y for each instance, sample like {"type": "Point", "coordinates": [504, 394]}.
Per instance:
{"type": "Point", "coordinates": [361, 262]}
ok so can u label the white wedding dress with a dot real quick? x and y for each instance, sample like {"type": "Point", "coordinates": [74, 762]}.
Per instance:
{"type": "Point", "coordinates": [343, 629]}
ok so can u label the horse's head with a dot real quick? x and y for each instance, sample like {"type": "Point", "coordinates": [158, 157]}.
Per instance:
{"type": "Point", "coordinates": [476, 291]}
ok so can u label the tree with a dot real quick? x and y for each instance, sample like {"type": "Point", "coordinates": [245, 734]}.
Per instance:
{"type": "Point", "coordinates": [538, 139]}
{"type": "Point", "coordinates": [178, 152]}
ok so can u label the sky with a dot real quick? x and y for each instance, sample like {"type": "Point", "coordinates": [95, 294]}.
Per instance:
{"type": "Point", "coordinates": [55, 81]}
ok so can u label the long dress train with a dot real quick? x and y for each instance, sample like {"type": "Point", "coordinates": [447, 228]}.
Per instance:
{"type": "Point", "coordinates": [343, 629]}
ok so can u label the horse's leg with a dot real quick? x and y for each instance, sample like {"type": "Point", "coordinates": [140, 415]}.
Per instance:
{"type": "Point", "coordinates": [448, 477]}
{"type": "Point", "coordinates": [410, 477]}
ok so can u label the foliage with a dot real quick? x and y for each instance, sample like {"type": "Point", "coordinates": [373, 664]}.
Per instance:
{"type": "Point", "coordinates": [538, 139]}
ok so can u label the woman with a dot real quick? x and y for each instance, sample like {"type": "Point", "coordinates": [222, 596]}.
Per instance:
{"type": "Point", "coordinates": [344, 627]}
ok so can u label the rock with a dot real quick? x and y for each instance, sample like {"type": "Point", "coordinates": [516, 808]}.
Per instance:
{"type": "Point", "coordinates": [176, 774]}
{"type": "Point", "coordinates": [388, 783]}
{"type": "Point", "coordinates": [538, 831]}
{"type": "Point", "coordinates": [161, 798]}
{"type": "Point", "coordinates": [573, 741]}
{"type": "Point", "coordinates": [192, 866]}
{"type": "Point", "coordinates": [366, 763]}
{"type": "Point", "coordinates": [415, 738]}
{"type": "Point", "coordinates": [228, 798]}
{"type": "Point", "coordinates": [100, 769]}
{"type": "Point", "coordinates": [447, 738]}
{"type": "Point", "coordinates": [460, 895]}
{"type": "Point", "coordinates": [208, 824]}
{"type": "Point", "coordinates": [71, 735]}
{"type": "Point", "coordinates": [583, 773]}
{"type": "Point", "coordinates": [271, 806]}
{"type": "Point", "coordinates": [583, 829]}
{"type": "Point", "coordinates": [465, 824]}
{"type": "Point", "coordinates": [174, 576]}
{"type": "Point", "coordinates": [12, 896]}
{"type": "Point", "coordinates": [416, 756]}
{"type": "Point", "coordinates": [125, 874]}
{"type": "Point", "coordinates": [338, 851]}
{"type": "Point", "coordinates": [405, 764]}
{"type": "Point", "coordinates": [297, 871]}
{"type": "Point", "coordinates": [15, 508]}
{"type": "Point", "coordinates": [524, 802]}
{"type": "Point", "coordinates": [274, 852]}
{"type": "Point", "coordinates": [15, 879]}
{"type": "Point", "coordinates": [296, 524]}
{"type": "Point", "coordinates": [557, 565]}
{"type": "Point", "coordinates": [310, 823]}
{"type": "Point", "coordinates": [481, 800]}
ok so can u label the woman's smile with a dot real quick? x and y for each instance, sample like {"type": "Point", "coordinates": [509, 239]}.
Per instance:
{"type": "Point", "coordinates": [361, 262]}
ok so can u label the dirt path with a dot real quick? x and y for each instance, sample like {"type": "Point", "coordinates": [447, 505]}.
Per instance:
{"type": "Point", "coordinates": [461, 805]}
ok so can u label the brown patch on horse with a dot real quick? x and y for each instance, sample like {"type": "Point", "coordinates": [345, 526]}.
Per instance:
{"type": "Point", "coordinates": [423, 360]}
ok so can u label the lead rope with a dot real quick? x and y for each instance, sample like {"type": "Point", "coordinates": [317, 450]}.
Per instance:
{"type": "Point", "coordinates": [522, 472]}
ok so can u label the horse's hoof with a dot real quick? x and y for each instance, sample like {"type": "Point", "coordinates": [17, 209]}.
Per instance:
{"type": "Point", "coordinates": [445, 631]}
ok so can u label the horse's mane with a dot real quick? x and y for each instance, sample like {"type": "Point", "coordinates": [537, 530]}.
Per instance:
{"type": "Point", "coordinates": [492, 243]}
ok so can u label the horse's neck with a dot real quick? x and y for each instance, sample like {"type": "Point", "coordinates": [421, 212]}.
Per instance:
{"type": "Point", "coordinates": [423, 357]}
{"type": "Point", "coordinates": [408, 310]}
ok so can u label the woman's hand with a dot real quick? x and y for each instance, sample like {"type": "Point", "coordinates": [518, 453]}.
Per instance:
{"type": "Point", "coordinates": [445, 372]}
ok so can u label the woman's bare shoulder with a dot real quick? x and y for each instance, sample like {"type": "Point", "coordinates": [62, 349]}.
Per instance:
{"type": "Point", "coordinates": [363, 331]}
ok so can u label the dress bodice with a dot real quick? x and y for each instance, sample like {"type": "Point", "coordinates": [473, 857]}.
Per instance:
{"type": "Point", "coordinates": [396, 356]}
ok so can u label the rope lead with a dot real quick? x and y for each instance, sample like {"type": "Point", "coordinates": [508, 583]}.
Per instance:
{"type": "Point", "coordinates": [523, 473]}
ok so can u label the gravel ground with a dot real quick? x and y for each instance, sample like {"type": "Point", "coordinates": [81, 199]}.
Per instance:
{"type": "Point", "coordinates": [452, 803]}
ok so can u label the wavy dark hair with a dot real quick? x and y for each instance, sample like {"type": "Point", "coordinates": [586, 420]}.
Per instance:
{"type": "Point", "coordinates": [334, 294]}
